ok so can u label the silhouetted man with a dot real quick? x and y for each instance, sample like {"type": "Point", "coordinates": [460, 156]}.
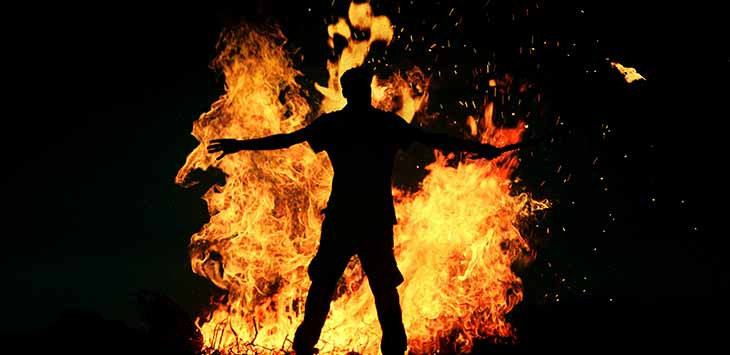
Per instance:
{"type": "Point", "coordinates": [361, 142]}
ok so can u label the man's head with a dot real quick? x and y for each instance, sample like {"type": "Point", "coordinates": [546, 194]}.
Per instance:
{"type": "Point", "coordinates": [355, 84]}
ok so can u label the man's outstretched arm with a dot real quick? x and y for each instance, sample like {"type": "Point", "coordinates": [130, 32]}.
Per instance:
{"type": "Point", "coordinates": [452, 144]}
{"type": "Point", "coordinates": [277, 141]}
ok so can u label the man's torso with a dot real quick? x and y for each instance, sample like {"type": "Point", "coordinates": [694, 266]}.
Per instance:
{"type": "Point", "coordinates": [361, 145]}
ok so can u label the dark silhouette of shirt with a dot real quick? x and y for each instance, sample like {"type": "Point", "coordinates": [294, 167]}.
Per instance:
{"type": "Point", "coordinates": [361, 145]}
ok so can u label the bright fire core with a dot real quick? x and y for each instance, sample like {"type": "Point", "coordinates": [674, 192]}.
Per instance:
{"type": "Point", "coordinates": [456, 239]}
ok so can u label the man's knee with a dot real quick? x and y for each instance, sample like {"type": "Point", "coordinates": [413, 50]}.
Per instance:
{"type": "Point", "coordinates": [385, 288]}
{"type": "Point", "coordinates": [326, 270]}
{"type": "Point", "coordinates": [384, 279]}
{"type": "Point", "coordinates": [381, 268]}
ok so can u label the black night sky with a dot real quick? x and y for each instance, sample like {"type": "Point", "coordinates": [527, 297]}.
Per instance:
{"type": "Point", "coordinates": [102, 102]}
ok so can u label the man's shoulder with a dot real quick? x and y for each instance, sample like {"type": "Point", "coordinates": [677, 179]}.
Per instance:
{"type": "Point", "coordinates": [321, 120]}
{"type": "Point", "coordinates": [385, 113]}
{"type": "Point", "coordinates": [387, 116]}
{"type": "Point", "coordinates": [324, 117]}
{"type": "Point", "coordinates": [394, 119]}
{"type": "Point", "coordinates": [348, 116]}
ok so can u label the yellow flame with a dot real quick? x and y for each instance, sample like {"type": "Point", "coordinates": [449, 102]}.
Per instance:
{"type": "Point", "coordinates": [630, 74]}
{"type": "Point", "coordinates": [361, 17]}
{"type": "Point", "coordinates": [455, 241]}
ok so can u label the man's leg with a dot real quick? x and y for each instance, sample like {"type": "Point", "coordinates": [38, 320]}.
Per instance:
{"type": "Point", "coordinates": [324, 271]}
{"type": "Point", "coordinates": [387, 304]}
{"type": "Point", "coordinates": [316, 309]}
{"type": "Point", "coordinates": [380, 266]}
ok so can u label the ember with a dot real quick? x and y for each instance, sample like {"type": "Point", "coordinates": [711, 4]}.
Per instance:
{"type": "Point", "coordinates": [630, 74]}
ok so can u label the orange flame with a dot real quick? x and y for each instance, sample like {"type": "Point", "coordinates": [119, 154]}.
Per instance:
{"type": "Point", "coordinates": [455, 241]}
{"type": "Point", "coordinates": [630, 74]}
{"type": "Point", "coordinates": [361, 17]}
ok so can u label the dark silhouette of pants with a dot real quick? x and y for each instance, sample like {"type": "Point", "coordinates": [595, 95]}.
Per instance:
{"type": "Point", "coordinates": [378, 262]}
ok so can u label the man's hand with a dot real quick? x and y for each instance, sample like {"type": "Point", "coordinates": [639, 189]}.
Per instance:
{"type": "Point", "coordinates": [225, 145]}
{"type": "Point", "coordinates": [489, 151]}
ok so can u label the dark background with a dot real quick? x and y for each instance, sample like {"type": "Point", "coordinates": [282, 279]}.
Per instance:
{"type": "Point", "coordinates": [100, 105]}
